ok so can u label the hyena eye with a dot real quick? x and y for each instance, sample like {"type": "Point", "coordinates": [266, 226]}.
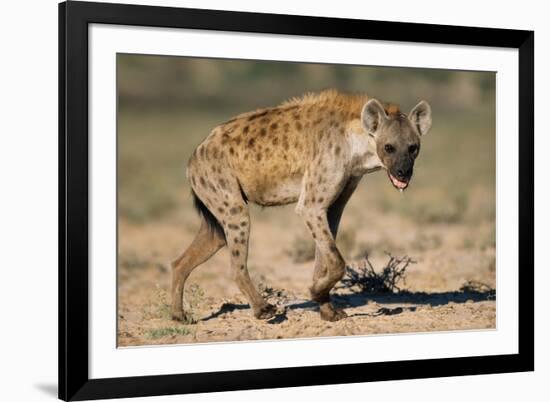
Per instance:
{"type": "Point", "coordinates": [389, 148]}
{"type": "Point", "coordinates": [413, 149]}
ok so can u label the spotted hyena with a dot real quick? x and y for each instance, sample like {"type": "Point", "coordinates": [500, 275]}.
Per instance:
{"type": "Point", "coordinates": [312, 151]}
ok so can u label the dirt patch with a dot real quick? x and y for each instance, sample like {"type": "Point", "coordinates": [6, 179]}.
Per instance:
{"type": "Point", "coordinates": [450, 287]}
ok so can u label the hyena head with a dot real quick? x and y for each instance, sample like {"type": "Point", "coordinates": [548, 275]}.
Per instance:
{"type": "Point", "coordinates": [397, 137]}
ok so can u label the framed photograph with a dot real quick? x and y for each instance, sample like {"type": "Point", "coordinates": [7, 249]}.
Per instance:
{"type": "Point", "coordinates": [257, 200]}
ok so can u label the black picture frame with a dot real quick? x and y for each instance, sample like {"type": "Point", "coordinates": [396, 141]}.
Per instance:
{"type": "Point", "coordinates": [74, 381]}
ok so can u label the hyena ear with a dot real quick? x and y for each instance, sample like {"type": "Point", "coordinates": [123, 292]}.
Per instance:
{"type": "Point", "coordinates": [372, 116]}
{"type": "Point", "coordinates": [421, 117]}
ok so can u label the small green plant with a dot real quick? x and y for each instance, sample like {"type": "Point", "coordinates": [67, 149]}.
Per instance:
{"type": "Point", "coordinates": [367, 279]}
{"type": "Point", "coordinates": [167, 331]}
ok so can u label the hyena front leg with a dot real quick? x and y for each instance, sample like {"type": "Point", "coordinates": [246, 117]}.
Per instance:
{"type": "Point", "coordinates": [329, 264]}
{"type": "Point", "coordinates": [334, 215]}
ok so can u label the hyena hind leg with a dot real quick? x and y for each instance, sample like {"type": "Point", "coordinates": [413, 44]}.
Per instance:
{"type": "Point", "coordinates": [206, 243]}
{"type": "Point", "coordinates": [237, 228]}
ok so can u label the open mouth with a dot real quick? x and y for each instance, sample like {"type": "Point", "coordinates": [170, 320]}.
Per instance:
{"type": "Point", "coordinates": [398, 184]}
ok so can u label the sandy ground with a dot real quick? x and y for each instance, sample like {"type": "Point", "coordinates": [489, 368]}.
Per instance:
{"type": "Point", "coordinates": [447, 256]}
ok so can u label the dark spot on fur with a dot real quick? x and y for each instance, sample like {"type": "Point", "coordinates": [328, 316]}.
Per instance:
{"type": "Point", "coordinates": [337, 150]}
{"type": "Point", "coordinates": [285, 143]}
{"type": "Point", "coordinates": [203, 182]}
{"type": "Point", "coordinates": [242, 267]}
{"type": "Point", "coordinates": [275, 141]}
{"type": "Point", "coordinates": [245, 129]}
{"type": "Point", "coordinates": [320, 200]}
{"type": "Point", "coordinates": [231, 151]}
{"type": "Point", "coordinates": [243, 223]}
{"type": "Point", "coordinates": [258, 157]}
{"type": "Point", "coordinates": [235, 210]}
{"type": "Point", "coordinates": [232, 226]}
{"type": "Point", "coordinates": [258, 115]}
{"type": "Point", "coordinates": [274, 126]}
{"type": "Point", "coordinates": [251, 143]}
{"type": "Point", "coordinates": [298, 125]}
{"type": "Point", "coordinates": [221, 210]}
{"type": "Point", "coordinates": [236, 253]}
{"type": "Point", "coordinates": [262, 131]}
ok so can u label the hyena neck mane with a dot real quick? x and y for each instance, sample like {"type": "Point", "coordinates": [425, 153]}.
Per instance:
{"type": "Point", "coordinates": [344, 109]}
{"type": "Point", "coordinates": [347, 105]}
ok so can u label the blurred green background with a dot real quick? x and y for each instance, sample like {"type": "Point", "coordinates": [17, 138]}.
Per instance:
{"type": "Point", "coordinates": [168, 105]}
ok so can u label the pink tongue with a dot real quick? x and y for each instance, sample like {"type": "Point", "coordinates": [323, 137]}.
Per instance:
{"type": "Point", "coordinates": [398, 183]}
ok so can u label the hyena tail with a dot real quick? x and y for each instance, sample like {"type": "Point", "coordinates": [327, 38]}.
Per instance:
{"type": "Point", "coordinates": [211, 220]}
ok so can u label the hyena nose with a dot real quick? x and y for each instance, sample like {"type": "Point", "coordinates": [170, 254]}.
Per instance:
{"type": "Point", "coordinates": [404, 173]}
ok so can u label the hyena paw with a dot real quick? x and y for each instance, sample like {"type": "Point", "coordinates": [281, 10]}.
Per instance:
{"type": "Point", "coordinates": [265, 312]}
{"type": "Point", "coordinates": [330, 313]}
{"type": "Point", "coordinates": [181, 316]}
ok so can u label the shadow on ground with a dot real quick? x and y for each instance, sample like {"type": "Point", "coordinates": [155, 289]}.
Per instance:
{"type": "Point", "coordinates": [362, 299]}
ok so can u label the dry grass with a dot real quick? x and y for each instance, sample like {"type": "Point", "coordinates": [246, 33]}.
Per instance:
{"type": "Point", "coordinates": [157, 333]}
{"type": "Point", "coordinates": [366, 278]}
